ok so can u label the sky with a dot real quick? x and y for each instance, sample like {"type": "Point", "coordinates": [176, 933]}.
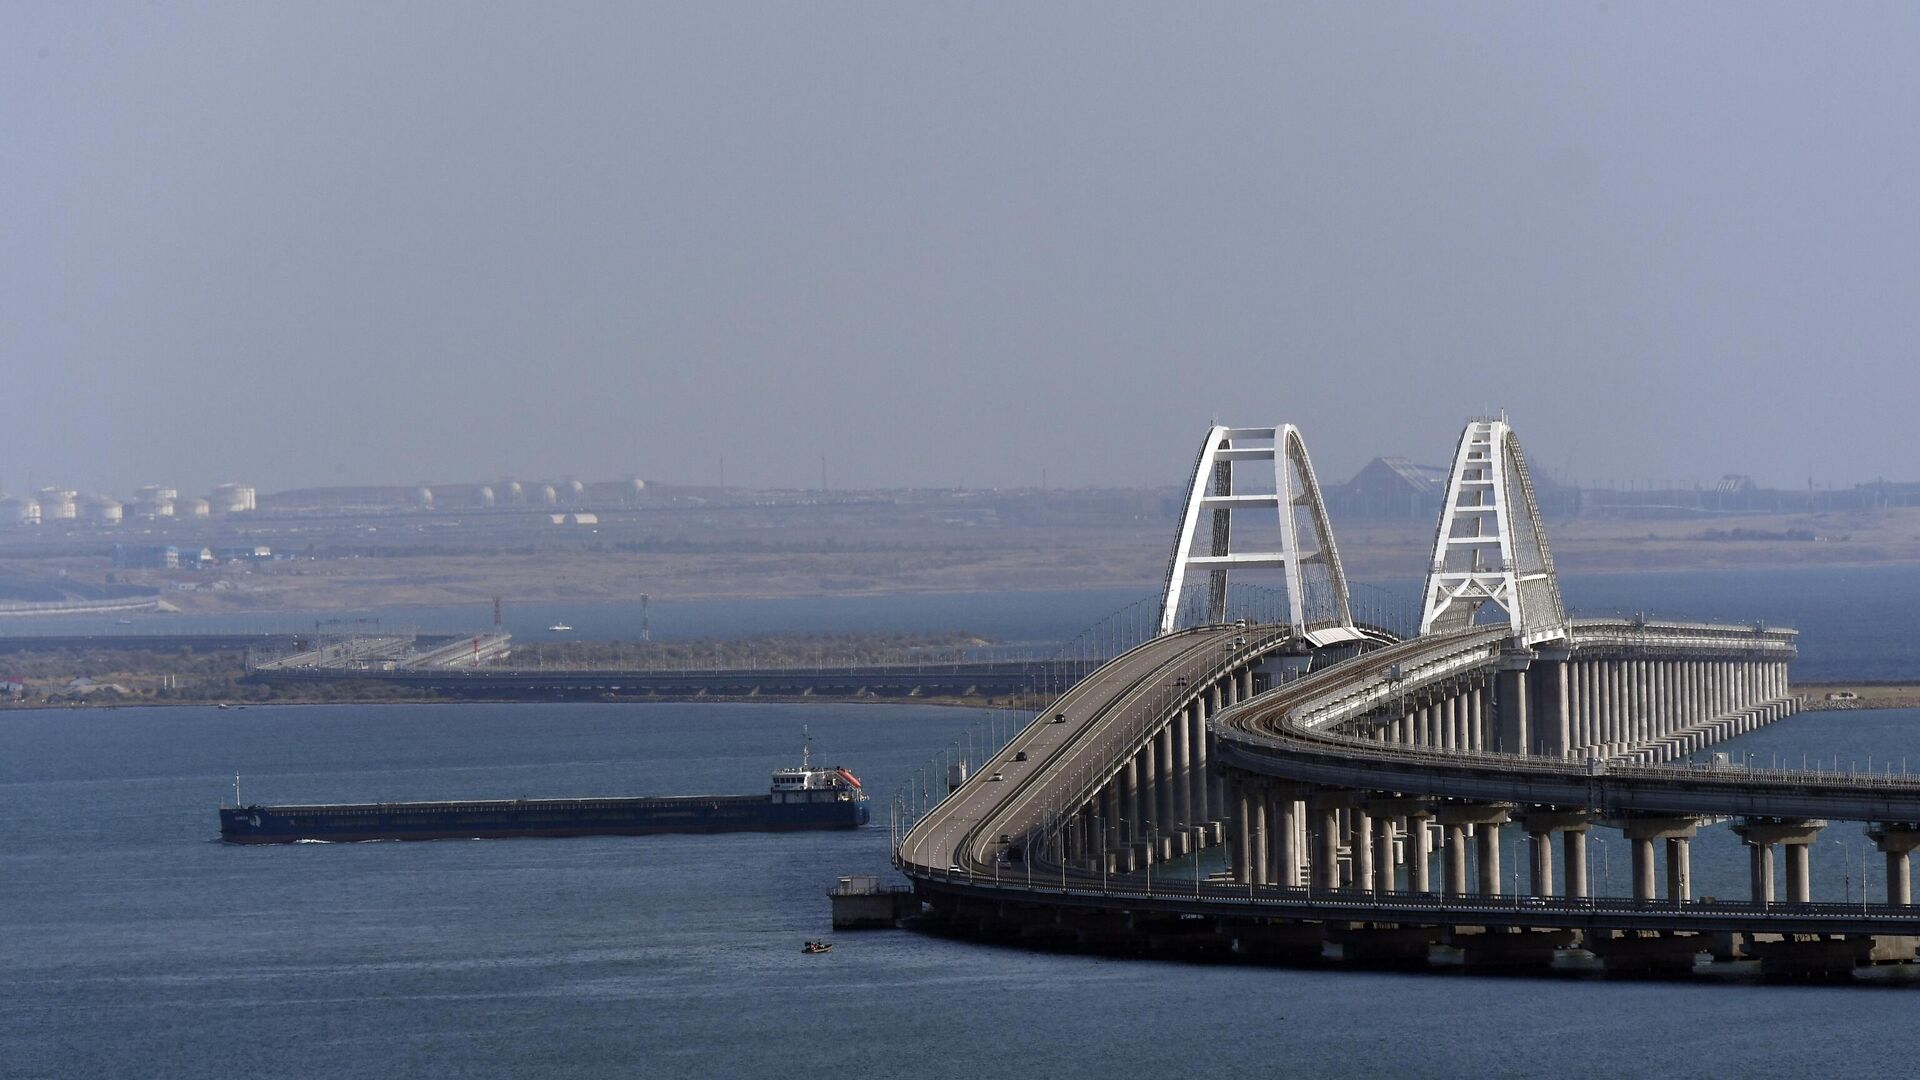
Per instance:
{"type": "Point", "coordinates": [909, 244]}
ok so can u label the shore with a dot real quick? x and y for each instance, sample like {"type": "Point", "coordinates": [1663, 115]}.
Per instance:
{"type": "Point", "coordinates": [1858, 695]}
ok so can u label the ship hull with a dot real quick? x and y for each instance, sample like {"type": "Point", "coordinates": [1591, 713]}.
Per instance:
{"type": "Point", "coordinates": [348, 823]}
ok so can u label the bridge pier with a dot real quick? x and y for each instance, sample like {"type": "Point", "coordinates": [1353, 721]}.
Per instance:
{"type": "Point", "coordinates": [1486, 820]}
{"type": "Point", "coordinates": [1553, 726]}
{"type": "Point", "coordinates": [1896, 840]}
{"type": "Point", "coordinates": [1325, 820]}
{"type": "Point", "coordinates": [1796, 836]}
{"type": "Point", "coordinates": [1419, 853]}
{"type": "Point", "coordinates": [1540, 825]}
{"type": "Point", "coordinates": [1511, 700]}
{"type": "Point", "coordinates": [1640, 833]}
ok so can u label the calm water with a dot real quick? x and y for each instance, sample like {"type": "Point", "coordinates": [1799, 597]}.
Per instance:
{"type": "Point", "coordinates": [132, 943]}
{"type": "Point", "coordinates": [137, 945]}
{"type": "Point", "coordinates": [1855, 623]}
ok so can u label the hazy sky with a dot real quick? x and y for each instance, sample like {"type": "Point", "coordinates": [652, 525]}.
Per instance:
{"type": "Point", "coordinates": [951, 243]}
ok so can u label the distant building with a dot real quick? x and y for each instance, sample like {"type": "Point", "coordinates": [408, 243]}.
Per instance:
{"type": "Point", "coordinates": [1391, 487]}
{"type": "Point", "coordinates": [128, 557]}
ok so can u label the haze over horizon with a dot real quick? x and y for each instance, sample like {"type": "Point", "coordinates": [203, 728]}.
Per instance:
{"type": "Point", "coordinates": [354, 243]}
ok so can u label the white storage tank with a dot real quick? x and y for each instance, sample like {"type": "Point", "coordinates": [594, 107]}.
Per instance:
{"type": "Point", "coordinates": [18, 511]}
{"type": "Point", "coordinates": [100, 510]}
{"type": "Point", "coordinates": [232, 499]}
{"type": "Point", "coordinates": [58, 505]}
{"type": "Point", "coordinates": [483, 497]}
{"type": "Point", "coordinates": [422, 498]}
{"type": "Point", "coordinates": [196, 508]}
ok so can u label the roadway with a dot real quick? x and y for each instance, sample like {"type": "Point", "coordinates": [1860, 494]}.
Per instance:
{"type": "Point", "coordinates": [1103, 715]}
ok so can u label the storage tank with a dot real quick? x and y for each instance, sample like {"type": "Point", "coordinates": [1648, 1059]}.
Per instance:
{"type": "Point", "coordinates": [100, 510]}
{"type": "Point", "coordinates": [636, 488]}
{"type": "Point", "coordinates": [513, 492]}
{"type": "Point", "coordinates": [548, 496]}
{"type": "Point", "coordinates": [483, 497]}
{"type": "Point", "coordinates": [576, 491]}
{"type": "Point", "coordinates": [58, 505]}
{"type": "Point", "coordinates": [196, 508]}
{"type": "Point", "coordinates": [232, 499]}
{"type": "Point", "coordinates": [19, 511]}
{"type": "Point", "coordinates": [422, 498]}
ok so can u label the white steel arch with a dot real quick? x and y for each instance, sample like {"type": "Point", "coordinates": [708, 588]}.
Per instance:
{"type": "Point", "coordinates": [1294, 489]}
{"type": "Point", "coordinates": [1490, 547]}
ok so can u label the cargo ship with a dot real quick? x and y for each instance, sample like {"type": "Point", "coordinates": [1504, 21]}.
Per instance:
{"type": "Point", "coordinates": [798, 798]}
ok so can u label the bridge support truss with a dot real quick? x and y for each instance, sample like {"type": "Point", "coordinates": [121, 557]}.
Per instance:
{"type": "Point", "coordinates": [1316, 587]}
{"type": "Point", "coordinates": [1491, 548]}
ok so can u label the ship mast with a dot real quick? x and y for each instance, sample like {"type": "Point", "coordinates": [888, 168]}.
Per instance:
{"type": "Point", "coordinates": [806, 746]}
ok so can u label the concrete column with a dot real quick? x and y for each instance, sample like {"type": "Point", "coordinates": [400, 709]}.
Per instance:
{"type": "Point", "coordinates": [1257, 842]}
{"type": "Point", "coordinates": [1574, 857]}
{"type": "Point", "coordinates": [1642, 701]}
{"type": "Point", "coordinates": [1662, 698]}
{"type": "Point", "coordinates": [1110, 814]}
{"type": "Point", "coordinates": [1287, 835]}
{"type": "Point", "coordinates": [1383, 854]}
{"type": "Point", "coordinates": [1642, 869]}
{"type": "Point", "coordinates": [1199, 767]}
{"type": "Point", "coordinates": [1553, 728]}
{"type": "Point", "coordinates": [1181, 747]}
{"type": "Point", "coordinates": [1540, 846]}
{"type": "Point", "coordinates": [1419, 852]}
{"type": "Point", "coordinates": [1130, 795]}
{"type": "Point", "coordinates": [1326, 853]}
{"type": "Point", "coordinates": [1799, 880]}
{"type": "Point", "coordinates": [1486, 836]}
{"type": "Point", "coordinates": [1239, 853]}
{"type": "Point", "coordinates": [1167, 780]}
{"type": "Point", "coordinates": [1760, 870]}
{"type": "Point", "coordinates": [1483, 711]}
{"type": "Point", "coordinates": [1216, 785]}
{"type": "Point", "coordinates": [1617, 672]}
{"type": "Point", "coordinates": [1453, 861]}
{"type": "Point", "coordinates": [1900, 877]}
{"type": "Point", "coordinates": [1679, 869]}
{"type": "Point", "coordinates": [1591, 685]}
{"type": "Point", "coordinates": [1149, 793]}
{"type": "Point", "coordinates": [1511, 700]}
{"type": "Point", "coordinates": [1363, 868]}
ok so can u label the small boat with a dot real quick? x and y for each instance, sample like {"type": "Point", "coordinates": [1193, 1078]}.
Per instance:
{"type": "Point", "coordinates": [559, 628]}
{"type": "Point", "coordinates": [812, 947]}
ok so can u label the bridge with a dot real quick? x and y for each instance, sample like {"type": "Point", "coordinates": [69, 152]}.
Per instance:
{"type": "Point", "coordinates": [967, 678]}
{"type": "Point", "coordinates": [1283, 790]}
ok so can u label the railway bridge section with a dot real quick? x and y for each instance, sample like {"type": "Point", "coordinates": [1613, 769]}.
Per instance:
{"type": "Point", "coordinates": [1285, 791]}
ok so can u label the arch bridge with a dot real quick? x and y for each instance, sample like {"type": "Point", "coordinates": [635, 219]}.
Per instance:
{"type": "Point", "coordinates": [1316, 789]}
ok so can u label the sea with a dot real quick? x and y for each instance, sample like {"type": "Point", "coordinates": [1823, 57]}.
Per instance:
{"type": "Point", "coordinates": [134, 944]}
